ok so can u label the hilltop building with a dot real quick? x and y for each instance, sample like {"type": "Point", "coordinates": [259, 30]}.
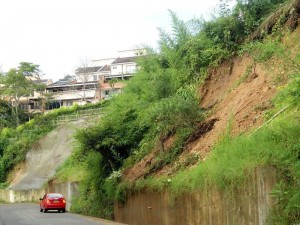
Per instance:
{"type": "Point", "coordinates": [90, 84]}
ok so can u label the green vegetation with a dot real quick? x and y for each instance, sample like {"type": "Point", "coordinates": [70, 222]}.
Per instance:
{"type": "Point", "coordinates": [161, 101]}
{"type": "Point", "coordinates": [276, 144]}
{"type": "Point", "coordinates": [160, 104]}
{"type": "Point", "coordinates": [93, 199]}
{"type": "Point", "coordinates": [232, 157]}
{"type": "Point", "coordinates": [6, 118]}
{"type": "Point", "coordinates": [15, 85]}
{"type": "Point", "coordinates": [15, 142]}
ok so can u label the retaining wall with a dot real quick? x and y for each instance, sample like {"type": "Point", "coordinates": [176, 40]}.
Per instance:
{"type": "Point", "coordinates": [68, 189]}
{"type": "Point", "coordinates": [4, 195]}
{"type": "Point", "coordinates": [248, 205]}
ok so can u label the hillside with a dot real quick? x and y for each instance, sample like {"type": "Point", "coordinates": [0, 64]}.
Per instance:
{"type": "Point", "coordinates": [216, 102]}
{"type": "Point", "coordinates": [45, 157]}
{"type": "Point", "coordinates": [201, 113]}
{"type": "Point", "coordinates": [237, 92]}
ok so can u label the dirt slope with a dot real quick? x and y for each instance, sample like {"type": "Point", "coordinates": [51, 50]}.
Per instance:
{"type": "Point", "coordinates": [241, 92]}
{"type": "Point", "coordinates": [237, 91]}
{"type": "Point", "coordinates": [45, 157]}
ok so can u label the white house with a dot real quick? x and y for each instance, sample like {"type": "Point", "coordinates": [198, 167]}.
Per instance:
{"type": "Point", "coordinates": [97, 82]}
{"type": "Point", "coordinates": [67, 92]}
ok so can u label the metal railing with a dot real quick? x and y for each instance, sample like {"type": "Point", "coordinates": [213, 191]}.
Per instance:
{"type": "Point", "coordinates": [78, 115]}
{"type": "Point", "coordinates": [92, 113]}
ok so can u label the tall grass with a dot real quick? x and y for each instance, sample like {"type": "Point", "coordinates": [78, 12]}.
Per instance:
{"type": "Point", "coordinates": [277, 144]}
{"type": "Point", "coordinates": [234, 159]}
{"type": "Point", "coordinates": [274, 145]}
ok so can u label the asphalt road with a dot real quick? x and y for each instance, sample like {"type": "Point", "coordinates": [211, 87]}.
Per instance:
{"type": "Point", "coordinates": [29, 214]}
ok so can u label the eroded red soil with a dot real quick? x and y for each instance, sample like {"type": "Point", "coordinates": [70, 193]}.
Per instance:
{"type": "Point", "coordinates": [235, 93]}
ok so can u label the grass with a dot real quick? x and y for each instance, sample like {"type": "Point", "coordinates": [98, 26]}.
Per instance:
{"type": "Point", "coordinates": [71, 174]}
{"type": "Point", "coordinates": [15, 142]}
{"type": "Point", "coordinates": [275, 144]}
{"type": "Point", "coordinates": [234, 159]}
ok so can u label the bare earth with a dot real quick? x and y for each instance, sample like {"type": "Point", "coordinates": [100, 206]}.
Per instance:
{"type": "Point", "coordinates": [45, 157]}
{"type": "Point", "coordinates": [236, 92]}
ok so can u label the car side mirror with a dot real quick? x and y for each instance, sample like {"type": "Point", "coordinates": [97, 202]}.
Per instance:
{"type": "Point", "coordinates": [41, 199]}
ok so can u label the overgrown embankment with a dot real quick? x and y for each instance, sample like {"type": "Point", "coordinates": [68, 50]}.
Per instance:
{"type": "Point", "coordinates": [45, 156]}
{"type": "Point", "coordinates": [187, 120]}
{"type": "Point", "coordinates": [16, 142]}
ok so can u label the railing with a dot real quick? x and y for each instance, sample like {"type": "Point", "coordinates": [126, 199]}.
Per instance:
{"type": "Point", "coordinates": [63, 119]}
{"type": "Point", "coordinates": [73, 91]}
{"type": "Point", "coordinates": [79, 115]}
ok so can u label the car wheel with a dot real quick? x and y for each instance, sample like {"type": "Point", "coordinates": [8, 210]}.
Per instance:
{"type": "Point", "coordinates": [64, 210]}
{"type": "Point", "coordinates": [45, 210]}
{"type": "Point", "coordinates": [41, 210]}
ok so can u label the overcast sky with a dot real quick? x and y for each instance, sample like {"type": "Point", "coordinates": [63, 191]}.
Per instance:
{"type": "Point", "coordinates": [55, 34]}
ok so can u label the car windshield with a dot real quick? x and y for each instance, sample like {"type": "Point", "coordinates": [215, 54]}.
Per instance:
{"type": "Point", "coordinates": [55, 196]}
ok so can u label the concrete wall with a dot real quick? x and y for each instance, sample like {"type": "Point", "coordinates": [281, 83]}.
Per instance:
{"type": "Point", "coordinates": [248, 205]}
{"type": "Point", "coordinates": [4, 195]}
{"type": "Point", "coordinates": [68, 189]}
{"type": "Point", "coordinates": [13, 196]}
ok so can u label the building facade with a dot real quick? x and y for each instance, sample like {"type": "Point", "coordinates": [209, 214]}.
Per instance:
{"type": "Point", "coordinates": [100, 81]}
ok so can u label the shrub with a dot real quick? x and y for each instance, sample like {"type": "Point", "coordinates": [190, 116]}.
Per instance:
{"type": "Point", "coordinates": [15, 142]}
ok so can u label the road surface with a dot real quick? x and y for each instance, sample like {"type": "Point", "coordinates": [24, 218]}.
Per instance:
{"type": "Point", "coordinates": [29, 214]}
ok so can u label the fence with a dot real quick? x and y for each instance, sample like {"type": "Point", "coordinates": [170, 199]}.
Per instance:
{"type": "Point", "coordinates": [79, 115]}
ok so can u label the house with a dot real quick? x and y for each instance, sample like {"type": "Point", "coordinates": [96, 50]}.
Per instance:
{"type": "Point", "coordinates": [125, 65]}
{"type": "Point", "coordinates": [68, 91]}
{"type": "Point", "coordinates": [111, 72]}
{"type": "Point", "coordinates": [121, 68]}
{"type": "Point", "coordinates": [108, 88]}
{"type": "Point", "coordinates": [100, 81]}
{"type": "Point", "coordinates": [33, 102]}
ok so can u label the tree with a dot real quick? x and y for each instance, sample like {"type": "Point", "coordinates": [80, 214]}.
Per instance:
{"type": "Point", "coordinates": [112, 83]}
{"type": "Point", "coordinates": [83, 74]}
{"type": "Point", "coordinates": [18, 83]}
{"type": "Point", "coordinates": [5, 114]}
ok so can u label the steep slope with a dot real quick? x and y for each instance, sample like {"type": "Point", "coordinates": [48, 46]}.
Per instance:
{"type": "Point", "coordinates": [45, 157]}
{"type": "Point", "coordinates": [235, 95]}
{"type": "Point", "coordinates": [239, 93]}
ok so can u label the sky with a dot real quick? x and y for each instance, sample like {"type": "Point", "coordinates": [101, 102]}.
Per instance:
{"type": "Point", "coordinates": [59, 34]}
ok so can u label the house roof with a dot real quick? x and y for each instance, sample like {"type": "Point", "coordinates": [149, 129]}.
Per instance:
{"type": "Point", "coordinates": [42, 81]}
{"type": "Point", "coordinates": [125, 60]}
{"type": "Point", "coordinates": [105, 68]}
{"type": "Point", "coordinates": [88, 69]}
{"type": "Point", "coordinates": [65, 83]}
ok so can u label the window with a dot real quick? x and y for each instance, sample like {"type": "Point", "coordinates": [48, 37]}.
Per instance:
{"type": "Point", "coordinates": [130, 69]}
{"type": "Point", "coordinates": [55, 195]}
{"type": "Point", "coordinates": [24, 106]}
{"type": "Point", "coordinates": [69, 103]}
{"type": "Point", "coordinates": [114, 67]}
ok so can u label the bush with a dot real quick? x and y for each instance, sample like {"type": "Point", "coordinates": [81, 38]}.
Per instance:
{"type": "Point", "coordinates": [290, 95]}
{"type": "Point", "coordinates": [15, 142]}
{"type": "Point", "coordinates": [94, 199]}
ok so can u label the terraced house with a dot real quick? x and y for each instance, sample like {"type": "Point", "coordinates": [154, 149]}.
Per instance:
{"type": "Point", "coordinates": [90, 84]}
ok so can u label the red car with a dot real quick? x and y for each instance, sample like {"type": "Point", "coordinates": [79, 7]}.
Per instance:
{"type": "Point", "coordinates": [53, 201]}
